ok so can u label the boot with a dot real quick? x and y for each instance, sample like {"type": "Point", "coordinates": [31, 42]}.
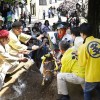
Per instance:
{"type": "Point", "coordinates": [63, 97]}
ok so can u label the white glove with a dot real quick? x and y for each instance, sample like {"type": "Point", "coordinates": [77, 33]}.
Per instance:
{"type": "Point", "coordinates": [35, 47]}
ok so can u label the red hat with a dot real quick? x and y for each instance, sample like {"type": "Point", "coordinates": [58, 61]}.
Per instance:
{"type": "Point", "coordinates": [4, 33]}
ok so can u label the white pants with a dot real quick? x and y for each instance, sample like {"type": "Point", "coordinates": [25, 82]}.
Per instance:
{"type": "Point", "coordinates": [63, 78]}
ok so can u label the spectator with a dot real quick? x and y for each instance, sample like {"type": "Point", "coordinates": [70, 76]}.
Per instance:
{"type": "Point", "coordinates": [49, 13]}
{"type": "Point", "coordinates": [43, 14]}
{"type": "Point", "coordinates": [46, 27]}
{"type": "Point", "coordinates": [4, 12]}
{"type": "Point", "coordinates": [29, 18]}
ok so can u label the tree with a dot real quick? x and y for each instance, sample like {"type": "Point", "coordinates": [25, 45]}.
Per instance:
{"type": "Point", "coordinates": [11, 1]}
{"type": "Point", "coordinates": [94, 16]}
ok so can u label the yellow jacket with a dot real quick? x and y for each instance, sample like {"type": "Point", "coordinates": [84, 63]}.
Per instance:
{"type": "Point", "coordinates": [70, 65]}
{"type": "Point", "coordinates": [89, 57]}
{"type": "Point", "coordinates": [15, 41]}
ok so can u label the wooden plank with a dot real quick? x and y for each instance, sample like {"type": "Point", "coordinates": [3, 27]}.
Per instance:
{"type": "Point", "coordinates": [14, 77]}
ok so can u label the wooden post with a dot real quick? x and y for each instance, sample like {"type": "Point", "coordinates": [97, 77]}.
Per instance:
{"type": "Point", "coordinates": [94, 16]}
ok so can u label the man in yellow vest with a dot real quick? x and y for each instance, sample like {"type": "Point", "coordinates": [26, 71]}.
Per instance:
{"type": "Point", "coordinates": [89, 57]}
{"type": "Point", "coordinates": [70, 71]}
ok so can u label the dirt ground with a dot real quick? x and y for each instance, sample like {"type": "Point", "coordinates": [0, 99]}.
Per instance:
{"type": "Point", "coordinates": [28, 87]}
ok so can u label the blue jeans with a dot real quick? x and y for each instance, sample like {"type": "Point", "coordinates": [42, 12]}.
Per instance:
{"type": "Point", "coordinates": [89, 87]}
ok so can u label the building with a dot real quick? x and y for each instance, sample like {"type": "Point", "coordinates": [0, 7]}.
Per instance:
{"type": "Point", "coordinates": [38, 6]}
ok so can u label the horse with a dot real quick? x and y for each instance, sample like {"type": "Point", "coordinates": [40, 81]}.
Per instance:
{"type": "Point", "coordinates": [49, 67]}
{"type": "Point", "coordinates": [37, 54]}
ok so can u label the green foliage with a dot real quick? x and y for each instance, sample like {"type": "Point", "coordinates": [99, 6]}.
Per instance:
{"type": "Point", "coordinates": [11, 1]}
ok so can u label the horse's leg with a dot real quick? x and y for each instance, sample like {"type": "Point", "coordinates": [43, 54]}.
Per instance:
{"type": "Point", "coordinates": [41, 68]}
{"type": "Point", "coordinates": [43, 83]}
{"type": "Point", "coordinates": [44, 72]}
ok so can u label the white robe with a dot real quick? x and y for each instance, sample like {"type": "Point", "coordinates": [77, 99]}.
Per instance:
{"type": "Point", "coordinates": [6, 59]}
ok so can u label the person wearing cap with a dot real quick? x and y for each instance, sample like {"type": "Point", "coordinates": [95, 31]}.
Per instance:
{"type": "Point", "coordinates": [89, 57]}
{"type": "Point", "coordinates": [8, 62]}
{"type": "Point", "coordinates": [61, 34]}
{"type": "Point", "coordinates": [70, 71]}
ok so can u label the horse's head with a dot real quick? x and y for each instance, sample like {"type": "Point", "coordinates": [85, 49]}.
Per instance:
{"type": "Point", "coordinates": [48, 68]}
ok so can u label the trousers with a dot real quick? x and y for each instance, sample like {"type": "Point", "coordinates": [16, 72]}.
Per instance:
{"type": "Point", "coordinates": [63, 78]}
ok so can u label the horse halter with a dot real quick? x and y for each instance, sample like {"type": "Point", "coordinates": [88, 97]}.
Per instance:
{"type": "Point", "coordinates": [49, 71]}
{"type": "Point", "coordinates": [47, 63]}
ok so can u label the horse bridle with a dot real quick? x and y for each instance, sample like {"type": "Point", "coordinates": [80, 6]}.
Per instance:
{"type": "Point", "coordinates": [49, 71]}
{"type": "Point", "coordinates": [48, 62]}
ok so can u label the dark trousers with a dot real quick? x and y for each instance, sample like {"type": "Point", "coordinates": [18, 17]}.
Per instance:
{"type": "Point", "coordinates": [89, 88]}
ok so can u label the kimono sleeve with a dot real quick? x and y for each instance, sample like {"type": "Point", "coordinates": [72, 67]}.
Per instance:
{"type": "Point", "coordinates": [16, 45]}
{"type": "Point", "coordinates": [24, 37]}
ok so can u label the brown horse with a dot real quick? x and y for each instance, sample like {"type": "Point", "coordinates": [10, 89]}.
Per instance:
{"type": "Point", "coordinates": [49, 67]}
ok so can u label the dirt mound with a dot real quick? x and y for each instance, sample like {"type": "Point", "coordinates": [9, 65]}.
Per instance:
{"type": "Point", "coordinates": [28, 87]}
{"type": "Point", "coordinates": [34, 89]}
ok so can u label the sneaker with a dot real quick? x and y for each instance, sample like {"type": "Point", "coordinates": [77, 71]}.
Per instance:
{"type": "Point", "coordinates": [1, 81]}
